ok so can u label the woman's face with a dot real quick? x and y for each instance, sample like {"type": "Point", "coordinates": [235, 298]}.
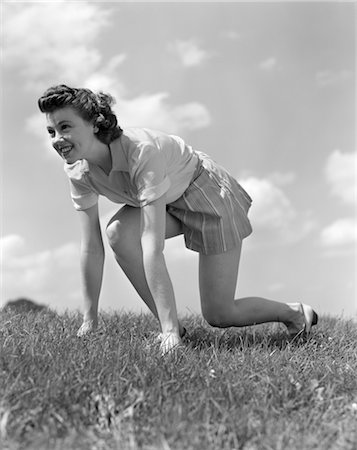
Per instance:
{"type": "Point", "coordinates": [72, 137]}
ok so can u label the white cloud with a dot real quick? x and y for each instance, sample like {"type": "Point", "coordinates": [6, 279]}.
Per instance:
{"type": "Point", "coordinates": [268, 64]}
{"type": "Point", "coordinates": [67, 53]}
{"type": "Point", "coordinates": [52, 40]}
{"type": "Point", "coordinates": [342, 232]}
{"type": "Point", "coordinates": [149, 110]}
{"type": "Point", "coordinates": [325, 78]}
{"type": "Point", "coordinates": [341, 174]}
{"type": "Point", "coordinates": [50, 276]}
{"type": "Point", "coordinates": [10, 245]}
{"type": "Point", "coordinates": [272, 214]}
{"type": "Point", "coordinates": [271, 208]}
{"type": "Point", "coordinates": [105, 78]}
{"type": "Point", "coordinates": [190, 116]}
{"type": "Point", "coordinates": [189, 52]}
{"type": "Point", "coordinates": [155, 111]}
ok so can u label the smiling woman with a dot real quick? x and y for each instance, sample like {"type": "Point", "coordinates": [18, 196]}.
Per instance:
{"type": "Point", "coordinates": [74, 138]}
{"type": "Point", "coordinates": [168, 189]}
{"type": "Point", "coordinates": [80, 123]}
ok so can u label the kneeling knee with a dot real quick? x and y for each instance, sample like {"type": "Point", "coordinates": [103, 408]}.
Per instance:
{"type": "Point", "coordinates": [217, 318]}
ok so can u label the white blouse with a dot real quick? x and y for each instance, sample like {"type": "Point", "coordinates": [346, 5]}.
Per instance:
{"type": "Point", "coordinates": [154, 164]}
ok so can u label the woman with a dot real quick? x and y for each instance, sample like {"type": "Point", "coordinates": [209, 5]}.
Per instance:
{"type": "Point", "coordinates": [168, 189]}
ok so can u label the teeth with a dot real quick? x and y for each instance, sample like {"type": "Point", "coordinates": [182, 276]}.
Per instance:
{"type": "Point", "coordinates": [66, 150]}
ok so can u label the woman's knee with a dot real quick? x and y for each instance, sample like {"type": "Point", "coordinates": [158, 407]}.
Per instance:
{"type": "Point", "coordinates": [119, 237]}
{"type": "Point", "coordinates": [123, 228]}
{"type": "Point", "coordinates": [217, 316]}
{"type": "Point", "coordinates": [114, 232]}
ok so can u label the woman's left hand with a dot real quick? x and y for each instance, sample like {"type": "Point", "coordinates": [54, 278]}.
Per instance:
{"type": "Point", "coordinates": [86, 328]}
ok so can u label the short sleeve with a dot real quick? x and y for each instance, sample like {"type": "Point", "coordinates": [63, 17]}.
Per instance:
{"type": "Point", "coordinates": [149, 174]}
{"type": "Point", "coordinates": [82, 193]}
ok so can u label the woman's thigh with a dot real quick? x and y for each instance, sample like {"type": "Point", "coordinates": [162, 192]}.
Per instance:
{"type": "Point", "coordinates": [218, 280]}
{"type": "Point", "coordinates": [125, 225]}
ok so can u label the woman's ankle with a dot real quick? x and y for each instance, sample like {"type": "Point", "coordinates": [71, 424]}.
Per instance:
{"type": "Point", "coordinates": [294, 319]}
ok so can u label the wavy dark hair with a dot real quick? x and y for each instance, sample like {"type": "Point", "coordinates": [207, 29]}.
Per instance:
{"type": "Point", "coordinates": [92, 107]}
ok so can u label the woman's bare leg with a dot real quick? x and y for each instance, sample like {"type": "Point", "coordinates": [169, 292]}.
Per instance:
{"type": "Point", "coordinates": [218, 279]}
{"type": "Point", "coordinates": [123, 233]}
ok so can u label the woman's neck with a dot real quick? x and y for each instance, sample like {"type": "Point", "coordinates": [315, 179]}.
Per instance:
{"type": "Point", "coordinates": [119, 154]}
{"type": "Point", "coordinates": [102, 158]}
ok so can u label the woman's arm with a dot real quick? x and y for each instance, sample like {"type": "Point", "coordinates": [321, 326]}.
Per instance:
{"type": "Point", "coordinates": [153, 225]}
{"type": "Point", "coordinates": [92, 262]}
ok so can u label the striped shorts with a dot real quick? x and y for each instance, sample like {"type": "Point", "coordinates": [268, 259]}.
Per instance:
{"type": "Point", "coordinates": [213, 210]}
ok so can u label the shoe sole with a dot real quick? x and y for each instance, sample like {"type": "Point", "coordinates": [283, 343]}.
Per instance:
{"type": "Point", "coordinates": [315, 318]}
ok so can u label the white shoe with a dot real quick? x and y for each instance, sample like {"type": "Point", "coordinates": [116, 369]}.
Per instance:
{"type": "Point", "coordinates": [310, 319]}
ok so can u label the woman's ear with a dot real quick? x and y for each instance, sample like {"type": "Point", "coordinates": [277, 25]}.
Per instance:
{"type": "Point", "coordinates": [95, 129]}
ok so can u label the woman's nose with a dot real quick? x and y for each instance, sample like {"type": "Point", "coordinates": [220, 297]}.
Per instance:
{"type": "Point", "coordinates": [56, 140]}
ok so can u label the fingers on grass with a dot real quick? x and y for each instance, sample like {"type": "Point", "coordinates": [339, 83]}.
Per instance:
{"type": "Point", "coordinates": [169, 343]}
{"type": "Point", "coordinates": [86, 328]}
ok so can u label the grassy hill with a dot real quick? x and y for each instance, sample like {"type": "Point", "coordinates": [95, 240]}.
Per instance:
{"type": "Point", "coordinates": [245, 388]}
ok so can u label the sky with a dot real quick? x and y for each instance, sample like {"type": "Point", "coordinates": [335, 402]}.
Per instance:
{"type": "Point", "coordinates": [266, 89]}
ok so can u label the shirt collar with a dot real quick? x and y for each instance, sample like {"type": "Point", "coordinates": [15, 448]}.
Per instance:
{"type": "Point", "coordinates": [76, 169]}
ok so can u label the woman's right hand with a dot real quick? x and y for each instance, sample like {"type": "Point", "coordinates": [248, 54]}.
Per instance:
{"type": "Point", "coordinates": [92, 261]}
{"type": "Point", "coordinates": [169, 343]}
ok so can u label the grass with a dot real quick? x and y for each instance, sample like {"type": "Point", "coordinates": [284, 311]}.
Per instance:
{"type": "Point", "coordinates": [243, 388]}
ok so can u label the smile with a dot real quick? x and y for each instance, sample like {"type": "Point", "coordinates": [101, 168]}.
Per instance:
{"type": "Point", "coordinates": [65, 151]}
